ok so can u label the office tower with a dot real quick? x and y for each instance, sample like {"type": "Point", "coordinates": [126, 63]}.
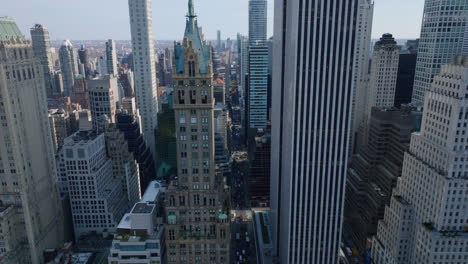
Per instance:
{"type": "Point", "coordinates": [384, 72]}
{"type": "Point", "coordinates": [311, 127]}
{"type": "Point", "coordinates": [257, 21]}
{"type": "Point", "coordinates": [61, 126]}
{"type": "Point", "coordinates": [68, 65]}
{"type": "Point", "coordinates": [218, 41]}
{"type": "Point", "coordinates": [111, 57]}
{"type": "Point", "coordinates": [222, 124]}
{"type": "Point", "coordinates": [375, 169]}
{"type": "Point", "coordinates": [41, 47]}
{"type": "Point", "coordinates": [87, 167]}
{"type": "Point", "coordinates": [101, 65]}
{"type": "Point", "coordinates": [219, 88]}
{"type": "Point", "coordinates": [80, 92]}
{"type": "Point", "coordinates": [257, 107]}
{"type": "Point", "coordinates": [124, 165]}
{"type": "Point", "coordinates": [405, 79]}
{"type": "Point", "coordinates": [84, 59]}
{"type": "Point", "coordinates": [426, 219]}
{"type": "Point", "coordinates": [103, 98]}
{"type": "Point", "coordinates": [139, 237]}
{"type": "Point", "coordinates": [260, 167]}
{"type": "Point", "coordinates": [141, 23]}
{"type": "Point", "coordinates": [84, 120]}
{"type": "Point", "coordinates": [126, 80]}
{"type": "Point", "coordinates": [128, 123]}
{"type": "Point", "coordinates": [361, 65]}
{"type": "Point", "coordinates": [443, 32]}
{"type": "Point", "coordinates": [244, 66]}
{"type": "Point", "coordinates": [58, 84]}
{"type": "Point", "coordinates": [197, 203]}
{"type": "Point", "coordinates": [31, 204]}
{"type": "Point", "coordinates": [169, 59]}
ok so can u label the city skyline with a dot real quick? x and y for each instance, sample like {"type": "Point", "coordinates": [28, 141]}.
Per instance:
{"type": "Point", "coordinates": [73, 25]}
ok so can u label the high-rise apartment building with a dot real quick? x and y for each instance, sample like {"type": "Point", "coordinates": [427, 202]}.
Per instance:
{"type": "Point", "coordinates": [361, 64]}
{"type": "Point", "coordinates": [141, 24]}
{"type": "Point", "coordinates": [427, 217]}
{"type": "Point", "coordinates": [443, 32]}
{"type": "Point", "coordinates": [257, 21]}
{"type": "Point", "coordinates": [68, 65]}
{"type": "Point", "coordinates": [103, 98]}
{"type": "Point", "coordinates": [384, 73]}
{"type": "Point", "coordinates": [111, 57]}
{"type": "Point", "coordinates": [257, 107]}
{"type": "Point", "coordinates": [311, 126]}
{"type": "Point", "coordinates": [96, 199]}
{"type": "Point", "coordinates": [197, 203]}
{"type": "Point", "coordinates": [30, 202]}
{"type": "Point", "coordinates": [41, 47]}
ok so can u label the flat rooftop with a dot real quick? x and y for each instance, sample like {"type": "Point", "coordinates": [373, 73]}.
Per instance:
{"type": "Point", "coordinates": [142, 208]}
{"type": "Point", "coordinates": [152, 192]}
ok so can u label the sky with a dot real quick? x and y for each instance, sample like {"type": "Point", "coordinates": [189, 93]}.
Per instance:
{"type": "Point", "coordinates": [108, 19]}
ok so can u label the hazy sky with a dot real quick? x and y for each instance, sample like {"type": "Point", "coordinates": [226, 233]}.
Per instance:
{"type": "Point", "coordinates": [104, 19]}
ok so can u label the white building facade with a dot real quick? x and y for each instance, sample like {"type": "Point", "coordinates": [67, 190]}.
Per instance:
{"type": "Point", "coordinates": [427, 219]}
{"type": "Point", "coordinates": [97, 201]}
{"type": "Point", "coordinates": [141, 24]}
{"type": "Point", "coordinates": [28, 192]}
{"type": "Point", "coordinates": [69, 66]}
{"type": "Point", "coordinates": [103, 98]}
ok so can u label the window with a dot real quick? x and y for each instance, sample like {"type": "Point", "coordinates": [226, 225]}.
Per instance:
{"type": "Point", "coordinates": [182, 120]}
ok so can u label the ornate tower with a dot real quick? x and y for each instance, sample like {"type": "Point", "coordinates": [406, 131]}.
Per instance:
{"type": "Point", "coordinates": [197, 203]}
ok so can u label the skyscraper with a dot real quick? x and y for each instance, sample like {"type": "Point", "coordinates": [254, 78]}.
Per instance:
{"type": "Point", "coordinates": [141, 23]}
{"type": "Point", "coordinates": [258, 86]}
{"type": "Point", "coordinates": [197, 203]}
{"type": "Point", "coordinates": [41, 47]}
{"type": "Point", "coordinates": [257, 21]}
{"type": "Point", "coordinates": [111, 57]}
{"type": "Point", "coordinates": [103, 98]}
{"type": "Point", "coordinates": [443, 32]}
{"type": "Point", "coordinates": [30, 202]}
{"type": "Point", "coordinates": [218, 41]}
{"type": "Point", "coordinates": [69, 66]}
{"type": "Point", "coordinates": [384, 72]}
{"type": "Point", "coordinates": [427, 217]}
{"type": "Point", "coordinates": [311, 125]}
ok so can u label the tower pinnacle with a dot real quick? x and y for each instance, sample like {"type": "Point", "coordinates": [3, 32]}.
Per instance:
{"type": "Point", "coordinates": [191, 10]}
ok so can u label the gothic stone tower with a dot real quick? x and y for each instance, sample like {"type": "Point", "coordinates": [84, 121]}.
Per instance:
{"type": "Point", "coordinates": [197, 202]}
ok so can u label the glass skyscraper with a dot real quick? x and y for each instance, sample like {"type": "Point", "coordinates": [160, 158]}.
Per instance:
{"type": "Point", "coordinates": [443, 31]}
{"type": "Point", "coordinates": [257, 20]}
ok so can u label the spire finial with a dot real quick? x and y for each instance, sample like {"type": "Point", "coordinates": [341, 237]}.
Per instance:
{"type": "Point", "coordinates": [191, 10]}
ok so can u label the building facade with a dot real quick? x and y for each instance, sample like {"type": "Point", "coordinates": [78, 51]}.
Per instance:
{"type": "Point", "coordinates": [111, 58]}
{"type": "Point", "coordinates": [257, 21]}
{"type": "Point", "coordinates": [96, 199]}
{"type": "Point", "coordinates": [257, 107]}
{"type": "Point", "coordinates": [427, 217]}
{"type": "Point", "coordinates": [443, 33]}
{"type": "Point", "coordinates": [41, 45]}
{"type": "Point", "coordinates": [103, 98]}
{"type": "Point", "coordinates": [28, 193]}
{"type": "Point", "coordinates": [68, 66]}
{"type": "Point", "coordinates": [197, 203]}
{"type": "Point", "coordinates": [141, 24]}
{"type": "Point", "coordinates": [311, 126]}
{"type": "Point", "coordinates": [384, 73]}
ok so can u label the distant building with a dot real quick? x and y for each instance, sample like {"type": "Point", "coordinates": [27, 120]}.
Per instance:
{"type": "Point", "coordinates": [97, 201]}
{"type": "Point", "coordinates": [260, 170]}
{"type": "Point", "coordinates": [103, 97]}
{"type": "Point", "coordinates": [384, 72]}
{"type": "Point", "coordinates": [257, 108]}
{"type": "Point", "coordinates": [257, 21]}
{"type": "Point", "coordinates": [219, 91]}
{"type": "Point", "coordinates": [61, 126]}
{"type": "Point", "coordinates": [31, 215]}
{"type": "Point", "coordinates": [111, 58]}
{"type": "Point", "coordinates": [41, 47]}
{"type": "Point", "coordinates": [139, 237]}
{"type": "Point", "coordinates": [69, 66]}
{"type": "Point", "coordinates": [80, 92]}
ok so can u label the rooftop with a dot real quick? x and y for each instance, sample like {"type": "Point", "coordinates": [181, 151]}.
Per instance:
{"type": "Point", "coordinates": [142, 208]}
{"type": "Point", "coordinates": [152, 192]}
{"type": "Point", "coordinates": [9, 29]}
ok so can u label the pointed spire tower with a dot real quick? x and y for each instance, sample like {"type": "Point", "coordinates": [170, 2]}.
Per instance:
{"type": "Point", "coordinates": [197, 204]}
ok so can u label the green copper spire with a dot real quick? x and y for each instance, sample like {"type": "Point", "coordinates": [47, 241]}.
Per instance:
{"type": "Point", "coordinates": [191, 10]}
